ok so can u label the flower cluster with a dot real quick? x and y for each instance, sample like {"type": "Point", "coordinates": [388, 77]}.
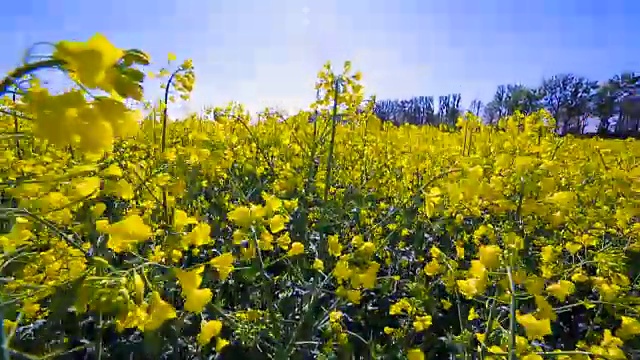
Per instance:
{"type": "Point", "coordinates": [307, 237]}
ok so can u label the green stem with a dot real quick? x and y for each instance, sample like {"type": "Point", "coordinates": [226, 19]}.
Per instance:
{"type": "Point", "coordinates": [163, 140]}
{"type": "Point", "coordinates": [487, 333]}
{"type": "Point", "coordinates": [464, 143]}
{"type": "Point", "coordinates": [16, 126]}
{"type": "Point", "coordinates": [99, 340]}
{"type": "Point", "coordinates": [20, 72]}
{"type": "Point", "coordinates": [334, 125]}
{"type": "Point", "coordinates": [512, 317]}
{"type": "Point", "coordinates": [4, 350]}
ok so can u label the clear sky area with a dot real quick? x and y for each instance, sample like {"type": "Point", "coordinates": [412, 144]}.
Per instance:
{"type": "Point", "coordinates": [267, 53]}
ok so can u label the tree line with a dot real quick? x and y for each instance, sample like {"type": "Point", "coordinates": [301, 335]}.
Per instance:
{"type": "Point", "coordinates": [573, 100]}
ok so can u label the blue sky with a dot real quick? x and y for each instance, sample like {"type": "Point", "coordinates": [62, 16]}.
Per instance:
{"type": "Point", "coordinates": [267, 53]}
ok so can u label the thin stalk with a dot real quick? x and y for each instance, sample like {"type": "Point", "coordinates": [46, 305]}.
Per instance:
{"type": "Point", "coordinates": [464, 143]}
{"type": "Point", "coordinates": [99, 344]}
{"type": "Point", "coordinates": [20, 72]}
{"type": "Point", "coordinates": [487, 333]}
{"type": "Point", "coordinates": [512, 317]}
{"type": "Point", "coordinates": [163, 140]}
{"type": "Point", "coordinates": [16, 127]}
{"type": "Point", "coordinates": [334, 125]}
{"type": "Point", "coordinates": [4, 351]}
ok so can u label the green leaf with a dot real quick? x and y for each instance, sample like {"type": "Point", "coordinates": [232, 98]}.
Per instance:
{"type": "Point", "coordinates": [64, 298]}
{"type": "Point", "coordinates": [134, 75]}
{"type": "Point", "coordinates": [135, 56]}
{"type": "Point", "coordinates": [152, 344]}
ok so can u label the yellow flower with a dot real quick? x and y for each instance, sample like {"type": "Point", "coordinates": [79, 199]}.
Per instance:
{"type": "Point", "coordinates": [272, 203]}
{"type": "Point", "coordinates": [138, 285]}
{"type": "Point", "coordinates": [244, 216]}
{"type": "Point", "coordinates": [422, 323]}
{"type": "Point", "coordinates": [460, 250]}
{"type": "Point", "coordinates": [579, 277]}
{"type": "Point", "coordinates": [609, 340]}
{"type": "Point", "coordinates": [415, 354]}
{"type": "Point", "coordinates": [472, 314]}
{"type": "Point", "coordinates": [548, 254]}
{"type": "Point", "coordinates": [132, 227]}
{"type": "Point", "coordinates": [495, 349]}
{"type": "Point", "coordinates": [608, 291]}
{"type": "Point", "coordinates": [190, 279]}
{"type": "Point", "coordinates": [87, 186]}
{"type": "Point", "coordinates": [318, 265]}
{"type": "Point", "coordinates": [522, 344]}
{"type": "Point", "coordinates": [158, 255]}
{"type": "Point", "coordinates": [561, 289]}
{"type": "Point", "coordinates": [369, 277]}
{"type": "Point", "coordinates": [284, 241]}
{"type": "Point", "coordinates": [159, 312]}
{"type": "Point", "coordinates": [112, 170]}
{"type": "Point", "coordinates": [367, 249]}
{"type": "Point", "coordinates": [544, 310]}
{"type": "Point", "coordinates": [490, 256]}
{"type": "Point", "coordinates": [265, 242]}
{"type": "Point", "coordinates": [196, 299]}
{"type": "Point", "coordinates": [296, 249]}
{"type": "Point", "coordinates": [534, 328]}
{"type": "Point", "coordinates": [126, 233]}
{"type": "Point", "coordinates": [98, 209]}
{"type": "Point", "coordinates": [432, 268]}
{"type": "Point", "coordinates": [477, 269]}
{"type": "Point", "coordinates": [471, 287]}
{"type": "Point", "coordinates": [335, 316]}
{"type": "Point", "coordinates": [89, 61]}
{"type": "Point", "coordinates": [342, 271]}
{"type": "Point", "coordinates": [122, 189]}
{"type": "Point", "coordinates": [175, 255]}
{"type": "Point", "coordinates": [200, 235]}
{"type": "Point", "coordinates": [181, 219]}
{"type": "Point", "coordinates": [277, 223]}
{"type": "Point", "coordinates": [209, 330]}
{"type": "Point", "coordinates": [629, 328]}
{"type": "Point", "coordinates": [436, 253]}
{"type": "Point", "coordinates": [573, 247]}
{"type": "Point", "coordinates": [249, 252]}
{"type": "Point", "coordinates": [239, 236]}
{"type": "Point", "coordinates": [290, 205]}
{"type": "Point", "coordinates": [446, 304]}
{"type": "Point", "coordinates": [403, 305]}
{"type": "Point", "coordinates": [30, 309]}
{"type": "Point", "coordinates": [223, 265]}
{"type": "Point", "coordinates": [135, 317]}
{"type": "Point", "coordinates": [221, 344]}
{"type": "Point", "coordinates": [563, 199]}
{"type": "Point", "coordinates": [354, 296]}
{"type": "Point", "coordinates": [534, 285]}
{"type": "Point", "coordinates": [9, 326]}
{"type": "Point", "coordinates": [335, 248]}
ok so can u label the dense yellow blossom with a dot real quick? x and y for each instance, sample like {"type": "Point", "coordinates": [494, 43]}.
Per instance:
{"type": "Point", "coordinates": [319, 236]}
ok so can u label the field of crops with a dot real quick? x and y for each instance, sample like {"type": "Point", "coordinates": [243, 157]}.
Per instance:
{"type": "Point", "coordinates": [298, 239]}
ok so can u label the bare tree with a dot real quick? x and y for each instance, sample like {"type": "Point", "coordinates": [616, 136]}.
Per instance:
{"type": "Point", "coordinates": [476, 106]}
